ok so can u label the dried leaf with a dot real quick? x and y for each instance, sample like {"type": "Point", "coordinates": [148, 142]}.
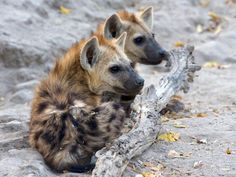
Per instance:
{"type": "Point", "coordinates": [139, 175]}
{"type": "Point", "coordinates": [174, 154]}
{"type": "Point", "coordinates": [214, 64]}
{"type": "Point", "coordinates": [169, 137]}
{"type": "Point", "coordinates": [157, 168]}
{"type": "Point", "coordinates": [177, 97]}
{"type": "Point", "coordinates": [148, 174]}
{"type": "Point", "coordinates": [228, 151]}
{"type": "Point", "coordinates": [214, 17]}
{"type": "Point", "coordinates": [199, 28]}
{"type": "Point", "coordinates": [200, 115]}
{"type": "Point", "coordinates": [164, 119]}
{"type": "Point", "coordinates": [218, 30]}
{"type": "Point", "coordinates": [202, 141]}
{"type": "Point", "coordinates": [148, 164]}
{"type": "Point", "coordinates": [64, 10]}
{"type": "Point", "coordinates": [204, 3]}
{"type": "Point", "coordinates": [211, 64]}
{"type": "Point", "coordinates": [178, 125]}
{"type": "Point", "coordinates": [179, 44]}
{"type": "Point", "coordinates": [198, 164]}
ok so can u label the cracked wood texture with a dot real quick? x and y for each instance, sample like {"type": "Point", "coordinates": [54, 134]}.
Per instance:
{"type": "Point", "coordinates": [112, 160]}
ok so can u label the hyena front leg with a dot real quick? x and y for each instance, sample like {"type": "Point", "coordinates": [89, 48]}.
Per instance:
{"type": "Point", "coordinates": [124, 101]}
{"type": "Point", "coordinates": [102, 125]}
{"type": "Point", "coordinates": [93, 130]}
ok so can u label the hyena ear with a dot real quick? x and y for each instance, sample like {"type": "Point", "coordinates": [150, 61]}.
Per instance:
{"type": "Point", "coordinates": [147, 16]}
{"type": "Point", "coordinates": [121, 40]}
{"type": "Point", "coordinates": [113, 27]}
{"type": "Point", "coordinates": [89, 54]}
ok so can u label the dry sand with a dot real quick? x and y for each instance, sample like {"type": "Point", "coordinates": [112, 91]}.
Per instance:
{"type": "Point", "coordinates": [34, 33]}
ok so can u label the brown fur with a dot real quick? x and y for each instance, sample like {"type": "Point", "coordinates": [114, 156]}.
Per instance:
{"type": "Point", "coordinates": [134, 21]}
{"type": "Point", "coordinates": [125, 16]}
{"type": "Point", "coordinates": [68, 121]}
{"type": "Point", "coordinates": [137, 26]}
{"type": "Point", "coordinates": [131, 17]}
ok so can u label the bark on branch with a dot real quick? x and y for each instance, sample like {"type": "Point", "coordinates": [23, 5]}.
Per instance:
{"type": "Point", "coordinates": [112, 161]}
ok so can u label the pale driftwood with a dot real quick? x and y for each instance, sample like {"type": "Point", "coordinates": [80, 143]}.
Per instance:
{"type": "Point", "coordinates": [112, 161]}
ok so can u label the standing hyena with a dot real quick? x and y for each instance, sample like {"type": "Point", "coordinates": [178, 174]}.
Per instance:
{"type": "Point", "coordinates": [68, 121]}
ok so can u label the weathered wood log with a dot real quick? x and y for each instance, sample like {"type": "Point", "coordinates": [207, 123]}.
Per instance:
{"type": "Point", "coordinates": [112, 161]}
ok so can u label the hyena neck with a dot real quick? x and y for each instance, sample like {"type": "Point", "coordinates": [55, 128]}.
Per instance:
{"type": "Point", "coordinates": [132, 57]}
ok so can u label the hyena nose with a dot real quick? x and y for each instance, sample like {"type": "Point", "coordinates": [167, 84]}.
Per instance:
{"type": "Point", "coordinates": [139, 82]}
{"type": "Point", "coordinates": [162, 53]}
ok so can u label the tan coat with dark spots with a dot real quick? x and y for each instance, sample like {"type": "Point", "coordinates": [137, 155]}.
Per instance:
{"type": "Point", "coordinates": [69, 122]}
{"type": "Point", "coordinates": [140, 45]}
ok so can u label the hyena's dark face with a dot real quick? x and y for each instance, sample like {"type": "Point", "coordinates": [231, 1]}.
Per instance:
{"type": "Point", "coordinates": [115, 70]}
{"type": "Point", "coordinates": [109, 69]}
{"type": "Point", "coordinates": [141, 45]}
{"type": "Point", "coordinates": [123, 77]}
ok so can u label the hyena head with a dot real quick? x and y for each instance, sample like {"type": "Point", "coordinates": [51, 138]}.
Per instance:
{"type": "Point", "coordinates": [140, 45]}
{"type": "Point", "coordinates": [108, 68]}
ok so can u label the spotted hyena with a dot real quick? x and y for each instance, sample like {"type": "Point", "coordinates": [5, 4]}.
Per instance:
{"type": "Point", "coordinates": [69, 122]}
{"type": "Point", "coordinates": [140, 45]}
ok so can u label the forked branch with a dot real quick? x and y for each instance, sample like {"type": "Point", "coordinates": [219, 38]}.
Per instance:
{"type": "Point", "coordinates": [112, 161]}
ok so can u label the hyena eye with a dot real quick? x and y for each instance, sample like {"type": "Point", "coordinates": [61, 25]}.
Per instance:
{"type": "Point", "coordinates": [139, 40]}
{"type": "Point", "coordinates": [115, 69]}
{"type": "Point", "coordinates": [113, 33]}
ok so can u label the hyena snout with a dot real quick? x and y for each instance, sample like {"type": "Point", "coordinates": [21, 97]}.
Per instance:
{"type": "Point", "coordinates": [163, 53]}
{"type": "Point", "coordinates": [139, 82]}
{"type": "Point", "coordinates": [155, 54]}
{"type": "Point", "coordinates": [134, 83]}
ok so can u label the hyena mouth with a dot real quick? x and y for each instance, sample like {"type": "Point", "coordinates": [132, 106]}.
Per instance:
{"type": "Point", "coordinates": [151, 62]}
{"type": "Point", "coordinates": [127, 97]}
{"type": "Point", "coordinates": [127, 92]}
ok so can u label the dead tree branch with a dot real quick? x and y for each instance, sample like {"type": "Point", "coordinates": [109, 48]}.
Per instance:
{"type": "Point", "coordinates": [112, 161]}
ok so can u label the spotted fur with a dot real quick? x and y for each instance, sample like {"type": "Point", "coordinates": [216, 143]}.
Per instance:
{"type": "Point", "coordinates": [69, 122]}
{"type": "Point", "coordinates": [138, 24]}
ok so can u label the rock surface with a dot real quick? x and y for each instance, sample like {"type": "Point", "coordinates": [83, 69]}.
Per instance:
{"type": "Point", "coordinates": [34, 33]}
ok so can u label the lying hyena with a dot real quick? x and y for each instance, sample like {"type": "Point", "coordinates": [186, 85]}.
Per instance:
{"type": "Point", "coordinates": [68, 120]}
{"type": "Point", "coordinates": [140, 44]}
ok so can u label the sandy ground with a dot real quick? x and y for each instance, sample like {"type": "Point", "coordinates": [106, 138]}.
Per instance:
{"type": "Point", "coordinates": [34, 33]}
